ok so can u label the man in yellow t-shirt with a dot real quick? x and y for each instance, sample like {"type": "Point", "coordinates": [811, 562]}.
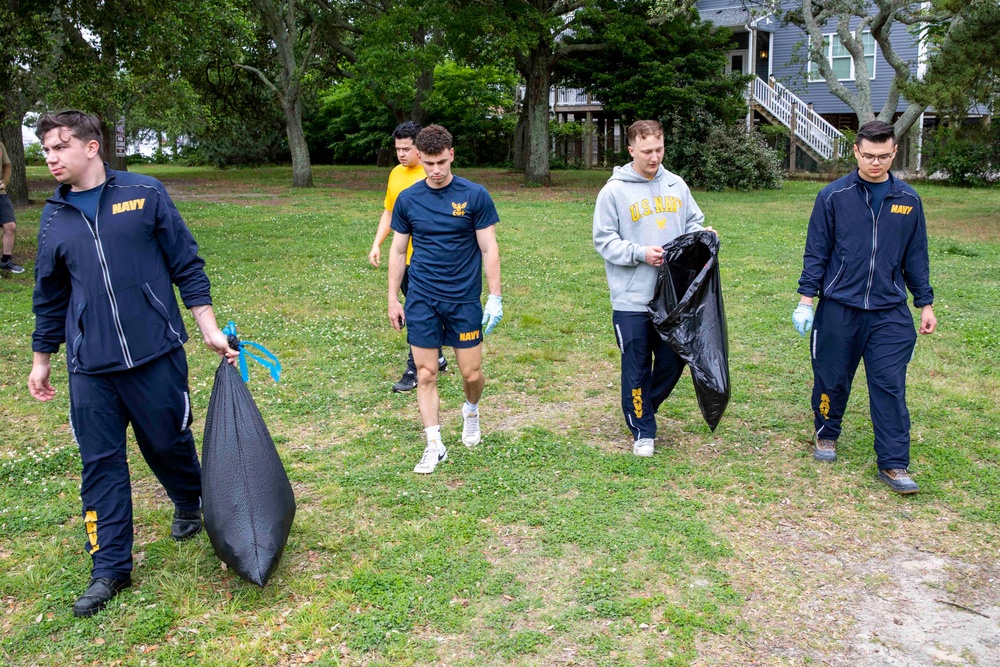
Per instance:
{"type": "Point", "coordinates": [8, 223]}
{"type": "Point", "coordinates": [406, 173]}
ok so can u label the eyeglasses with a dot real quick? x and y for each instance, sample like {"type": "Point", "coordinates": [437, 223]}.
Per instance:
{"type": "Point", "coordinates": [872, 159]}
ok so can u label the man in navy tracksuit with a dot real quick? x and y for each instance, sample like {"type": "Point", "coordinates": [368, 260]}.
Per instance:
{"type": "Point", "coordinates": [111, 246]}
{"type": "Point", "coordinates": [867, 239]}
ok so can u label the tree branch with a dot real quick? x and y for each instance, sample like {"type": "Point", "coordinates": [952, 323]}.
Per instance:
{"type": "Point", "coordinates": [260, 75]}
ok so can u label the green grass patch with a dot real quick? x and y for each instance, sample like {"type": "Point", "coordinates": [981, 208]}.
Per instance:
{"type": "Point", "coordinates": [549, 541]}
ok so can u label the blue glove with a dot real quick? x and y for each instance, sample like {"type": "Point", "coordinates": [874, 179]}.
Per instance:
{"type": "Point", "coordinates": [802, 318]}
{"type": "Point", "coordinates": [492, 313]}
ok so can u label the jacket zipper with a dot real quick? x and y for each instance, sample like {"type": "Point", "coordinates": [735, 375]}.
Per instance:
{"type": "Point", "coordinates": [106, 275]}
{"type": "Point", "coordinates": [871, 266]}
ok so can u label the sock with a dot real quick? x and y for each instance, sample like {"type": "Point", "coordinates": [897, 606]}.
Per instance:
{"type": "Point", "coordinates": [5, 258]}
{"type": "Point", "coordinates": [470, 409]}
{"type": "Point", "coordinates": [433, 434]}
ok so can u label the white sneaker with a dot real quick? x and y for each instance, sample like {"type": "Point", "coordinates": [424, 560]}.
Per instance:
{"type": "Point", "coordinates": [643, 447]}
{"type": "Point", "coordinates": [433, 455]}
{"type": "Point", "coordinates": [471, 435]}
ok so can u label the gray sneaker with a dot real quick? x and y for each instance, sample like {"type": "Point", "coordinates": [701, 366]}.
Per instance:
{"type": "Point", "coordinates": [9, 265]}
{"type": "Point", "coordinates": [899, 480]}
{"type": "Point", "coordinates": [825, 450]}
{"type": "Point", "coordinates": [406, 383]}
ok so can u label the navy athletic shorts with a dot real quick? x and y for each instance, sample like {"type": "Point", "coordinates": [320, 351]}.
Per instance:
{"type": "Point", "coordinates": [431, 323]}
{"type": "Point", "coordinates": [6, 210]}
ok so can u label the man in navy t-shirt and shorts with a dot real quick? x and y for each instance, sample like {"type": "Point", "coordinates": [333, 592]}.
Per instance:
{"type": "Point", "coordinates": [452, 223]}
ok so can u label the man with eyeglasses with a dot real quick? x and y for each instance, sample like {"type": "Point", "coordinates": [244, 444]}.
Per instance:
{"type": "Point", "coordinates": [867, 239]}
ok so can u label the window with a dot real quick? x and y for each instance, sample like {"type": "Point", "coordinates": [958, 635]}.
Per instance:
{"type": "Point", "coordinates": [840, 58]}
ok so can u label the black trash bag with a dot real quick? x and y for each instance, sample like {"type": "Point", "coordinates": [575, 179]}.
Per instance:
{"type": "Point", "coordinates": [688, 314]}
{"type": "Point", "coordinates": [246, 497]}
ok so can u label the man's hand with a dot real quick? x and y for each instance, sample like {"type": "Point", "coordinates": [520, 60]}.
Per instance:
{"type": "Point", "coordinates": [654, 255]}
{"type": "Point", "coordinates": [396, 316]}
{"type": "Point", "coordinates": [492, 313]}
{"type": "Point", "coordinates": [219, 342]}
{"type": "Point", "coordinates": [375, 256]}
{"type": "Point", "coordinates": [928, 323]}
{"type": "Point", "coordinates": [38, 379]}
{"type": "Point", "coordinates": [802, 318]}
{"type": "Point", "coordinates": [710, 229]}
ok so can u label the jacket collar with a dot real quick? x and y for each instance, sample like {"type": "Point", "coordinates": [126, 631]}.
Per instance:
{"type": "Point", "coordinates": [60, 194]}
{"type": "Point", "coordinates": [895, 185]}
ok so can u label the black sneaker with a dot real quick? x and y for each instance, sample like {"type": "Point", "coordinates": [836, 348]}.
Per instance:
{"type": "Point", "coordinates": [899, 480]}
{"type": "Point", "coordinates": [442, 364]}
{"type": "Point", "coordinates": [98, 594]}
{"type": "Point", "coordinates": [406, 383]}
{"type": "Point", "coordinates": [9, 265]}
{"type": "Point", "coordinates": [825, 450]}
{"type": "Point", "coordinates": [187, 524]}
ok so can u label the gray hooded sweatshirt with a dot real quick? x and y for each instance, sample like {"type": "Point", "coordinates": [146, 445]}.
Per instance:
{"type": "Point", "coordinates": [632, 213]}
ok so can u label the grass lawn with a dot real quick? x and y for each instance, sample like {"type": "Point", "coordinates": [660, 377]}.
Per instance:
{"type": "Point", "coordinates": [549, 544]}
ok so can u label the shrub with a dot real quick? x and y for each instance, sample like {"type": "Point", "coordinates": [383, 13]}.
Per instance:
{"type": "Point", "coordinates": [969, 155]}
{"type": "Point", "coordinates": [714, 156]}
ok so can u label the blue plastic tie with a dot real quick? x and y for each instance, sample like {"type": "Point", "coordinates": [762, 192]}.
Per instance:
{"type": "Point", "coordinates": [271, 363]}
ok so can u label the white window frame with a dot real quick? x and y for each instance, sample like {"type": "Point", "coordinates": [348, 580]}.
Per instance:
{"type": "Point", "coordinates": [828, 38]}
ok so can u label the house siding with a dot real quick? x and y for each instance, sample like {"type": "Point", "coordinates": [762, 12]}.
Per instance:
{"type": "Point", "coordinates": [790, 67]}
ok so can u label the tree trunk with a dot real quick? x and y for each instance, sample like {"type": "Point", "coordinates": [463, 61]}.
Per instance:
{"type": "Point", "coordinates": [537, 104]}
{"type": "Point", "coordinates": [10, 135]}
{"type": "Point", "coordinates": [519, 160]}
{"type": "Point", "coordinates": [301, 166]}
{"type": "Point", "coordinates": [108, 139]}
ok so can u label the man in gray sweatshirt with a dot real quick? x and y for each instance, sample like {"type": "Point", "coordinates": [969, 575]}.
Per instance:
{"type": "Point", "coordinates": [640, 209]}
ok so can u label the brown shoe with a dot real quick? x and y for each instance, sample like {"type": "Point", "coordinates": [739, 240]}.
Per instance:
{"type": "Point", "coordinates": [825, 450]}
{"type": "Point", "coordinates": [899, 480]}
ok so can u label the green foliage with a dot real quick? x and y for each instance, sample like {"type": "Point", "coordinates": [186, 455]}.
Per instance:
{"type": "Point", "coordinates": [969, 154]}
{"type": "Point", "coordinates": [964, 61]}
{"type": "Point", "coordinates": [33, 154]}
{"type": "Point", "coordinates": [715, 156]}
{"type": "Point", "coordinates": [350, 123]}
{"type": "Point", "coordinates": [672, 69]}
{"type": "Point", "coordinates": [477, 107]}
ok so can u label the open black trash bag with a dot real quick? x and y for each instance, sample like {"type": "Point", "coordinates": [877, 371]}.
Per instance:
{"type": "Point", "coordinates": [687, 312]}
{"type": "Point", "coordinates": [246, 497]}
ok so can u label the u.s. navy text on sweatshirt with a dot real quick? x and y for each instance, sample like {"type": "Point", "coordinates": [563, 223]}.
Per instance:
{"type": "Point", "coordinates": [633, 213]}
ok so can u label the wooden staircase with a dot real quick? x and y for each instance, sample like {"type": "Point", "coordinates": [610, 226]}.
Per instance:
{"type": "Point", "coordinates": [809, 131]}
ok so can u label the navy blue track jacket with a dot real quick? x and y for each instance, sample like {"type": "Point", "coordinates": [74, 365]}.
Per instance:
{"type": "Point", "coordinates": [863, 258]}
{"type": "Point", "coordinates": [106, 285]}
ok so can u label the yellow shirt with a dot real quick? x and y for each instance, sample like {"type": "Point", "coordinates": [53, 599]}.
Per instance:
{"type": "Point", "coordinates": [401, 178]}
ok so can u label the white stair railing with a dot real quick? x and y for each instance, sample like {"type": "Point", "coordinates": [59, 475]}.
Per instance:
{"type": "Point", "coordinates": [792, 112]}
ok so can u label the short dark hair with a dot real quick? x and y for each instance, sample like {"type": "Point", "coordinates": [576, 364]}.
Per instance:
{"type": "Point", "coordinates": [406, 130]}
{"type": "Point", "coordinates": [84, 126]}
{"type": "Point", "coordinates": [876, 131]}
{"type": "Point", "coordinates": [433, 140]}
{"type": "Point", "coordinates": [641, 129]}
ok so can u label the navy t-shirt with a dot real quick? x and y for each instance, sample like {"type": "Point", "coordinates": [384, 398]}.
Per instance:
{"type": "Point", "coordinates": [86, 200]}
{"type": "Point", "coordinates": [447, 264]}
{"type": "Point", "coordinates": [877, 192]}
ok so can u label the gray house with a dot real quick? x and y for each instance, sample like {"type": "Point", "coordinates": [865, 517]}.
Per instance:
{"type": "Point", "coordinates": [788, 90]}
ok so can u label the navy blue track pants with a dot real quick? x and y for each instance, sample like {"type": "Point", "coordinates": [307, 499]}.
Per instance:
{"type": "Point", "coordinates": [153, 398]}
{"type": "Point", "coordinates": [650, 370]}
{"type": "Point", "coordinates": [841, 337]}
